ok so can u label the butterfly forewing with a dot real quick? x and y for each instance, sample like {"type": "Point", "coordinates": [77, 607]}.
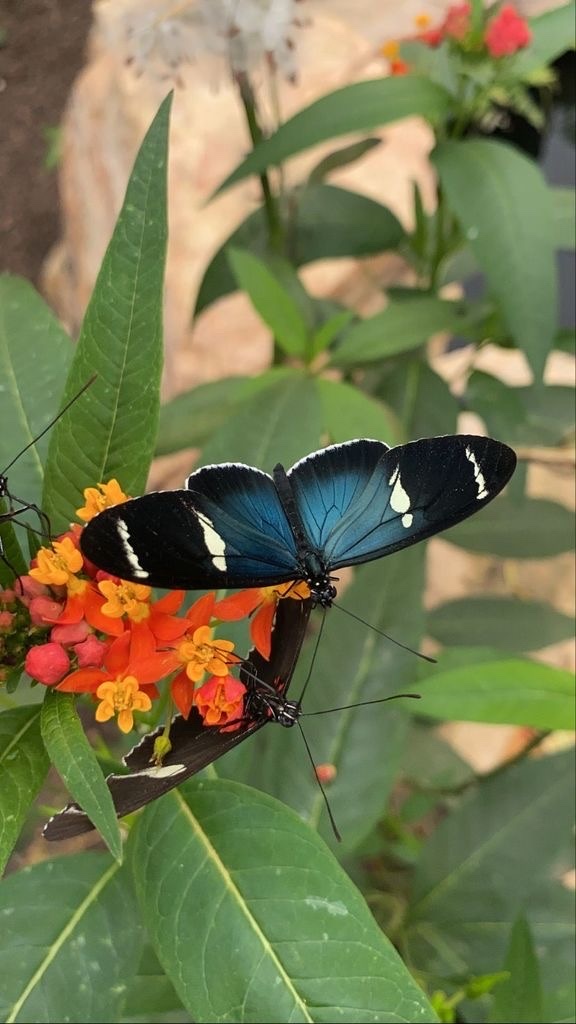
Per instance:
{"type": "Point", "coordinates": [195, 745]}
{"type": "Point", "coordinates": [414, 491]}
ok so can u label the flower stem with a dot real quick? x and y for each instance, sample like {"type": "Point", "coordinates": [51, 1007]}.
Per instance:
{"type": "Point", "coordinates": [275, 226]}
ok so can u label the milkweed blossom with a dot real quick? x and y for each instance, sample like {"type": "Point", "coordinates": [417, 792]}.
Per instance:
{"type": "Point", "coordinates": [79, 630]}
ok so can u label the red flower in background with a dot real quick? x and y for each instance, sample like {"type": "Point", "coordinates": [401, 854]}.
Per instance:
{"type": "Point", "coordinates": [507, 33]}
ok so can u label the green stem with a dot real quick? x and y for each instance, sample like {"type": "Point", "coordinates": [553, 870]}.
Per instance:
{"type": "Point", "coordinates": [275, 226]}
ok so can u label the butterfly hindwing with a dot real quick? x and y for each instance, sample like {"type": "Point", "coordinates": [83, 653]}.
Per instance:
{"type": "Point", "coordinates": [403, 495]}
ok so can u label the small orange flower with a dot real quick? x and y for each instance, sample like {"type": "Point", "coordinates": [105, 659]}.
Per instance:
{"type": "Point", "coordinates": [123, 598]}
{"type": "Point", "coordinates": [121, 696]}
{"type": "Point", "coordinates": [263, 601]}
{"type": "Point", "coordinates": [57, 567]}
{"type": "Point", "coordinates": [203, 654]}
{"type": "Point", "coordinates": [422, 21]}
{"type": "Point", "coordinates": [99, 498]}
{"type": "Point", "coordinates": [220, 700]}
{"type": "Point", "coordinates": [399, 67]}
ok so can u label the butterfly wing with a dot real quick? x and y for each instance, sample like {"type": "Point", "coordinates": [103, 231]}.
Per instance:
{"type": "Point", "coordinates": [227, 529]}
{"type": "Point", "coordinates": [397, 496]}
{"type": "Point", "coordinates": [195, 745]}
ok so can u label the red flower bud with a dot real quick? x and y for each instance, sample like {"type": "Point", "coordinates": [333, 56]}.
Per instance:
{"type": "Point", "coordinates": [44, 610]}
{"type": "Point", "coordinates": [90, 652]}
{"type": "Point", "coordinates": [48, 663]}
{"type": "Point", "coordinates": [70, 634]}
{"type": "Point", "coordinates": [507, 32]}
{"type": "Point", "coordinates": [5, 621]}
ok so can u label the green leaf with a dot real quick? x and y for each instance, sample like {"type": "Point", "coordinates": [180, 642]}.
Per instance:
{"type": "Point", "coordinates": [509, 692]}
{"type": "Point", "coordinates": [348, 413]}
{"type": "Point", "coordinates": [552, 35]}
{"type": "Point", "coordinates": [500, 853]}
{"type": "Point", "coordinates": [76, 762]}
{"type": "Point", "coordinates": [111, 431]}
{"type": "Point", "coordinates": [533, 528]}
{"type": "Point", "coordinates": [341, 158]}
{"type": "Point", "coordinates": [520, 997]}
{"type": "Point", "coordinates": [353, 664]}
{"type": "Point", "coordinates": [192, 417]}
{"type": "Point", "coordinates": [420, 398]}
{"type": "Point", "coordinates": [271, 301]}
{"type": "Point", "coordinates": [542, 415]}
{"type": "Point", "coordinates": [150, 991]}
{"type": "Point", "coordinates": [34, 357]}
{"type": "Point", "coordinates": [325, 222]}
{"type": "Point", "coordinates": [24, 765]}
{"type": "Point", "coordinates": [564, 200]}
{"type": "Point", "coordinates": [506, 212]}
{"type": "Point", "coordinates": [432, 763]}
{"type": "Point", "coordinates": [267, 926]}
{"type": "Point", "coordinates": [398, 328]}
{"type": "Point", "coordinates": [280, 423]}
{"type": "Point", "coordinates": [503, 622]}
{"type": "Point", "coordinates": [355, 108]}
{"type": "Point", "coordinates": [72, 940]}
{"type": "Point", "coordinates": [330, 329]}
{"type": "Point", "coordinates": [12, 551]}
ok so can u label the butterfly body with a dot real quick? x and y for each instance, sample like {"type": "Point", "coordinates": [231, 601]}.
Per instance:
{"type": "Point", "coordinates": [236, 526]}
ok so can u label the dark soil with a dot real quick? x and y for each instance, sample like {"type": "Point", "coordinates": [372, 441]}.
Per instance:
{"type": "Point", "coordinates": [42, 46]}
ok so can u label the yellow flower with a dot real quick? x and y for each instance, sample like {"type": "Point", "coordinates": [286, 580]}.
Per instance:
{"type": "Point", "coordinates": [390, 50]}
{"type": "Point", "coordinates": [121, 697]}
{"type": "Point", "coordinates": [125, 598]}
{"type": "Point", "coordinates": [203, 654]}
{"type": "Point", "coordinates": [422, 21]}
{"type": "Point", "coordinates": [56, 567]}
{"type": "Point", "coordinates": [99, 498]}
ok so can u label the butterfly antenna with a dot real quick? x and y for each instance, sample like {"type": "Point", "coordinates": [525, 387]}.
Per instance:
{"type": "Point", "coordinates": [311, 668]}
{"type": "Point", "coordinates": [322, 790]}
{"type": "Point", "coordinates": [362, 704]}
{"type": "Point", "coordinates": [386, 636]}
{"type": "Point", "coordinates": [51, 424]}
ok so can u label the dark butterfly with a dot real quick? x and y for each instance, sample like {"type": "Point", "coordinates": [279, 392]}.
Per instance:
{"type": "Point", "coordinates": [235, 526]}
{"type": "Point", "coordinates": [195, 745]}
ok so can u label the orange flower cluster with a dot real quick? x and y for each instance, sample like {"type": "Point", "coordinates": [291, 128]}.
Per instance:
{"type": "Point", "coordinates": [500, 34]}
{"type": "Point", "coordinates": [89, 632]}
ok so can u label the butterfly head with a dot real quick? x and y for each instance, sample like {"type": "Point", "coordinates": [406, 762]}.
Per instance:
{"type": "Point", "coordinates": [322, 591]}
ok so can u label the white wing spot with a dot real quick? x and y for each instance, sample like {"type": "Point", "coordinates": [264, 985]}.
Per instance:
{"type": "Point", "coordinates": [160, 771]}
{"type": "Point", "coordinates": [407, 519]}
{"type": "Point", "coordinates": [399, 499]}
{"type": "Point", "coordinates": [478, 475]}
{"type": "Point", "coordinates": [132, 557]}
{"type": "Point", "coordinates": [215, 546]}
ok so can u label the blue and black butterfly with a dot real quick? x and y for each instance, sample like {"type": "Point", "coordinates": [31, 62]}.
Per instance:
{"type": "Point", "coordinates": [195, 745]}
{"type": "Point", "coordinates": [236, 526]}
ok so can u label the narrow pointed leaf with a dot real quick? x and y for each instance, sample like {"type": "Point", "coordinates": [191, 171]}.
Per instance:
{"type": "Point", "coordinates": [510, 692]}
{"type": "Point", "coordinates": [70, 941]}
{"type": "Point", "coordinates": [519, 998]}
{"type": "Point", "coordinates": [503, 622]}
{"type": "Point", "coordinates": [23, 767]}
{"type": "Point", "coordinates": [534, 528]}
{"type": "Point", "coordinates": [72, 755]}
{"type": "Point", "coordinates": [506, 211]}
{"type": "Point", "coordinates": [111, 431]}
{"type": "Point", "coordinates": [271, 301]}
{"type": "Point", "coordinates": [355, 108]}
{"type": "Point", "coordinates": [253, 919]}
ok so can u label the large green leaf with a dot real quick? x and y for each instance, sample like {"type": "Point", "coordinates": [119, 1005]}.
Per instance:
{"type": "Point", "coordinates": [191, 418]}
{"type": "Point", "coordinates": [500, 853]}
{"type": "Point", "coordinates": [348, 412]}
{"type": "Point", "coordinates": [533, 528]}
{"type": "Point", "coordinates": [398, 328]}
{"type": "Point", "coordinates": [23, 766]}
{"type": "Point", "coordinates": [76, 762]}
{"type": "Point", "coordinates": [253, 919]}
{"type": "Point", "coordinates": [420, 398]}
{"type": "Point", "coordinates": [519, 998]}
{"type": "Point", "coordinates": [542, 415]}
{"type": "Point", "coordinates": [513, 691]}
{"type": "Point", "coordinates": [325, 222]}
{"type": "Point", "coordinates": [506, 213]}
{"type": "Point", "coordinates": [504, 622]}
{"type": "Point", "coordinates": [111, 432]}
{"type": "Point", "coordinates": [279, 423]}
{"type": "Point", "coordinates": [355, 108]}
{"type": "Point", "coordinates": [70, 941]}
{"type": "Point", "coordinates": [35, 353]}
{"type": "Point", "coordinates": [564, 200]}
{"type": "Point", "coordinates": [352, 664]}
{"type": "Point", "coordinates": [271, 300]}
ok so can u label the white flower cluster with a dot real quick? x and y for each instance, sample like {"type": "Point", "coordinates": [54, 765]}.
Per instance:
{"type": "Point", "coordinates": [159, 36]}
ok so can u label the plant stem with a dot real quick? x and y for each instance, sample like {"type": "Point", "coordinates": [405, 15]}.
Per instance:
{"type": "Point", "coordinates": [275, 226]}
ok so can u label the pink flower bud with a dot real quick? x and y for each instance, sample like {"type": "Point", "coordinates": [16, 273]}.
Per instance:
{"type": "Point", "coordinates": [90, 652]}
{"type": "Point", "coordinates": [44, 610]}
{"type": "Point", "coordinates": [72, 634]}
